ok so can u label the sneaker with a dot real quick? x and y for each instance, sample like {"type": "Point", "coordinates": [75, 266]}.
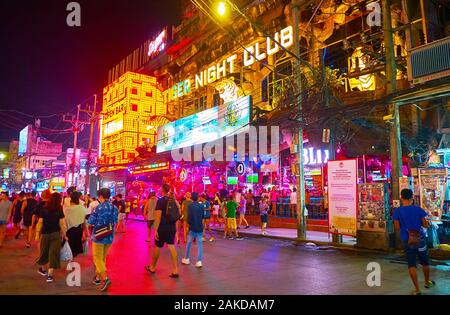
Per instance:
{"type": "Point", "coordinates": [198, 264]}
{"type": "Point", "coordinates": [212, 239]}
{"type": "Point", "coordinates": [239, 238]}
{"type": "Point", "coordinates": [185, 261]}
{"type": "Point", "coordinates": [96, 281]}
{"type": "Point", "coordinates": [49, 279]}
{"type": "Point", "coordinates": [231, 238]}
{"type": "Point", "coordinates": [106, 285]}
{"type": "Point", "coordinates": [263, 233]}
{"type": "Point", "coordinates": [247, 227]}
{"type": "Point", "coordinates": [430, 284]}
{"type": "Point", "coordinates": [42, 272]}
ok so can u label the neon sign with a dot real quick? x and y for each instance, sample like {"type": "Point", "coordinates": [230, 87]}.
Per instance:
{"type": "Point", "coordinates": [205, 126]}
{"type": "Point", "coordinates": [113, 127]}
{"type": "Point", "coordinates": [150, 168]}
{"type": "Point", "coordinates": [157, 45]}
{"type": "Point", "coordinates": [314, 157]}
{"type": "Point", "coordinates": [257, 52]}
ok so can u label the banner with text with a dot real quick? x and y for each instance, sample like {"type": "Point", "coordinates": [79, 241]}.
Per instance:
{"type": "Point", "coordinates": [342, 196]}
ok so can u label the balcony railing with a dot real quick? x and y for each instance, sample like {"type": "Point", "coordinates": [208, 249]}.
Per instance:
{"type": "Point", "coordinates": [430, 61]}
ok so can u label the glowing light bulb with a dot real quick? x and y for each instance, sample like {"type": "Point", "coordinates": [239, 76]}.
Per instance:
{"type": "Point", "coordinates": [221, 8]}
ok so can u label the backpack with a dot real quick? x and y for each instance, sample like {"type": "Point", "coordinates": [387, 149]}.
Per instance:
{"type": "Point", "coordinates": [172, 211]}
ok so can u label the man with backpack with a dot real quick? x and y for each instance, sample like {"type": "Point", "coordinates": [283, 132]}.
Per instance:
{"type": "Point", "coordinates": [167, 213]}
{"type": "Point", "coordinates": [411, 220]}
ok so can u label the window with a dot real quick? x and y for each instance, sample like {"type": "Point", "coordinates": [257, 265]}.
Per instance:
{"type": "Point", "coordinates": [131, 155]}
{"type": "Point", "coordinates": [134, 107]}
{"type": "Point", "coordinates": [134, 91]}
{"type": "Point", "coordinates": [149, 94]}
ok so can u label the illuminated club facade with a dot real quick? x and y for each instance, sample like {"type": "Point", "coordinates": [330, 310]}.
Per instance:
{"type": "Point", "coordinates": [131, 106]}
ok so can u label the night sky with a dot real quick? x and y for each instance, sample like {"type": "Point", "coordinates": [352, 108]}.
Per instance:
{"type": "Point", "coordinates": [48, 67]}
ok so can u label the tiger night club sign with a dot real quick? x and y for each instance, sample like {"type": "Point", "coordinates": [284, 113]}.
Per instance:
{"type": "Point", "coordinates": [256, 52]}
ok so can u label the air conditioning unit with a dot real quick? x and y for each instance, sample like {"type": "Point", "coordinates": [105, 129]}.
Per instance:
{"type": "Point", "coordinates": [429, 62]}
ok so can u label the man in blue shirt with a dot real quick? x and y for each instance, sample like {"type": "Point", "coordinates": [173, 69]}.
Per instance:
{"type": "Point", "coordinates": [410, 219]}
{"type": "Point", "coordinates": [195, 219]}
{"type": "Point", "coordinates": [105, 214]}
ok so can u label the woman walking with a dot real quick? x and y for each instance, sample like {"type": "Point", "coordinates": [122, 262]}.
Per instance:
{"type": "Point", "coordinates": [17, 215]}
{"type": "Point", "coordinates": [76, 224]}
{"type": "Point", "coordinates": [52, 229]}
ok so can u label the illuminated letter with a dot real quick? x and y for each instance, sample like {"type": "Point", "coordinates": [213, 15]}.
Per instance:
{"type": "Point", "coordinates": [312, 160]}
{"type": "Point", "coordinates": [74, 17]}
{"type": "Point", "coordinates": [175, 92]}
{"type": "Point", "coordinates": [319, 156]}
{"type": "Point", "coordinates": [327, 156]}
{"type": "Point", "coordinates": [221, 71]}
{"type": "Point", "coordinates": [180, 89]}
{"type": "Point", "coordinates": [198, 80]}
{"type": "Point", "coordinates": [230, 60]}
{"type": "Point", "coordinates": [305, 157]}
{"type": "Point", "coordinates": [248, 59]}
{"type": "Point", "coordinates": [258, 55]}
{"type": "Point", "coordinates": [211, 74]}
{"type": "Point", "coordinates": [187, 86]}
{"type": "Point", "coordinates": [275, 49]}
{"type": "Point", "coordinates": [286, 37]}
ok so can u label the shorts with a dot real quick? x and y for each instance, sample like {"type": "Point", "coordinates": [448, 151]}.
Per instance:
{"type": "Point", "coordinates": [150, 223]}
{"type": "Point", "coordinates": [413, 251]}
{"type": "Point", "coordinates": [121, 216]}
{"type": "Point", "coordinates": [264, 218]}
{"type": "Point", "coordinates": [242, 211]}
{"type": "Point", "coordinates": [207, 215]}
{"type": "Point", "coordinates": [165, 237]}
{"type": "Point", "coordinates": [231, 223]}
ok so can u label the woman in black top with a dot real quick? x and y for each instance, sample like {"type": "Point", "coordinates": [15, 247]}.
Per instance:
{"type": "Point", "coordinates": [52, 228]}
{"type": "Point", "coordinates": [17, 217]}
{"type": "Point", "coordinates": [30, 207]}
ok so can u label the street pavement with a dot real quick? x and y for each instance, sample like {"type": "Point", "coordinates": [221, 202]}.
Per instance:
{"type": "Point", "coordinates": [253, 266]}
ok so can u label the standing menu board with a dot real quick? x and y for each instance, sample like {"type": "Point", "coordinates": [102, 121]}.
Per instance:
{"type": "Point", "coordinates": [373, 202]}
{"type": "Point", "coordinates": [342, 196]}
{"type": "Point", "coordinates": [433, 183]}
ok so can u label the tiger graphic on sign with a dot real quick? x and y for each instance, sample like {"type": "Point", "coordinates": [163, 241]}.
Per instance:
{"type": "Point", "coordinates": [228, 90]}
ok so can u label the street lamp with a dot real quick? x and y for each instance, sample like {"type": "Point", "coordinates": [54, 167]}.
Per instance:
{"type": "Point", "coordinates": [221, 8]}
{"type": "Point", "coordinates": [2, 156]}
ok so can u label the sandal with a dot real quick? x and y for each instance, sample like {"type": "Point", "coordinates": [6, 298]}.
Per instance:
{"type": "Point", "coordinates": [430, 284]}
{"type": "Point", "coordinates": [416, 293]}
{"type": "Point", "coordinates": [149, 270]}
{"type": "Point", "coordinates": [174, 275]}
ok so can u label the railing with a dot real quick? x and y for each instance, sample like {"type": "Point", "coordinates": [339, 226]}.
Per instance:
{"type": "Point", "coordinates": [430, 61]}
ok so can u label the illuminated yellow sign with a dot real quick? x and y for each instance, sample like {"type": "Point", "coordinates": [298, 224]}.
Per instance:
{"type": "Point", "coordinates": [128, 105]}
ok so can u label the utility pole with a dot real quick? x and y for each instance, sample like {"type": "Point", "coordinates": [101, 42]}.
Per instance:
{"type": "Point", "coordinates": [391, 87]}
{"type": "Point", "coordinates": [93, 120]}
{"type": "Point", "coordinates": [76, 128]}
{"type": "Point", "coordinates": [301, 219]}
